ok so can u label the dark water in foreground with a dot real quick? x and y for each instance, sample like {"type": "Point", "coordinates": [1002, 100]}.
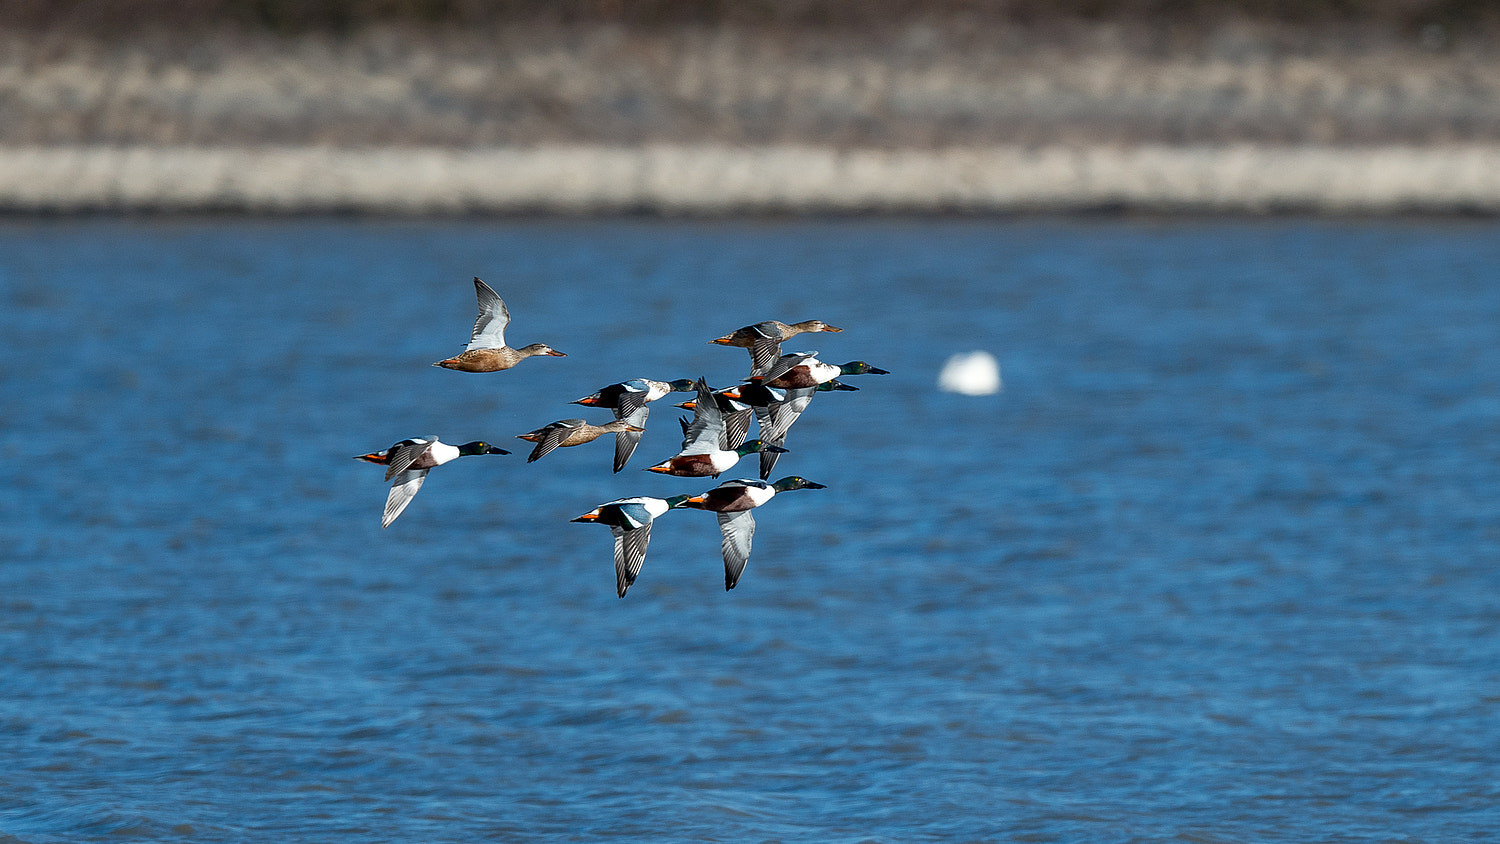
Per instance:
{"type": "Point", "coordinates": [1220, 564]}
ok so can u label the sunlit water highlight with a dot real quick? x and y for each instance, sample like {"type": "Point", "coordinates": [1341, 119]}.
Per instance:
{"type": "Point", "coordinates": [1219, 564]}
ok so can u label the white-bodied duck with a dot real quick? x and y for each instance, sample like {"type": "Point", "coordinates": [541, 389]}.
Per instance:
{"type": "Point", "coordinates": [733, 501]}
{"type": "Point", "coordinates": [408, 462]}
{"type": "Point", "coordinates": [803, 369]}
{"type": "Point", "coordinates": [629, 519]}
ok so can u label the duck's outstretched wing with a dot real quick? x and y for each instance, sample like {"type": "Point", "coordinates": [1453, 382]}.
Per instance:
{"type": "Point", "coordinates": [738, 529]}
{"type": "Point", "coordinates": [736, 428]}
{"type": "Point", "coordinates": [626, 441]}
{"type": "Point", "coordinates": [706, 432]}
{"type": "Point", "coordinates": [632, 397]}
{"type": "Point", "coordinates": [405, 453]}
{"type": "Point", "coordinates": [552, 436]}
{"type": "Point", "coordinates": [765, 349]}
{"type": "Point", "coordinates": [630, 553]}
{"type": "Point", "coordinates": [402, 492]}
{"type": "Point", "coordinates": [489, 327]}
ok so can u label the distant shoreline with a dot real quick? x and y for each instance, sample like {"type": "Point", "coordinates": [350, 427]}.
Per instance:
{"type": "Point", "coordinates": [709, 180]}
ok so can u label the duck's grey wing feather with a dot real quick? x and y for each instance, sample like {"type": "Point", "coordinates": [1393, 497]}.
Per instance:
{"type": "Point", "coordinates": [736, 428]}
{"type": "Point", "coordinates": [784, 364]}
{"type": "Point", "coordinates": [489, 327]}
{"type": "Point", "coordinates": [402, 456]}
{"type": "Point", "coordinates": [782, 414]}
{"type": "Point", "coordinates": [552, 436]}
{"type": "Point", "coordinates": [765, 353]}
{"type": "Point", "coordinates": [630, 402]}
{"type": "Point", "coordinates": [402, 492]}
{"type": "Point", "coordinates": [626, 441]}
{"type": "Point", "coordinates": [738, 528]}
{"type": "Point", "coordinates": [768, 458]}
{"type": "Point", "coordinates": [707, 429]}
{"type": "Point", "coordinates": [630, 553]}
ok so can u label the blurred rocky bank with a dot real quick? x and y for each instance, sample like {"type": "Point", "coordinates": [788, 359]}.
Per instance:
{"type": "Point", "coordinates": [964, 106]}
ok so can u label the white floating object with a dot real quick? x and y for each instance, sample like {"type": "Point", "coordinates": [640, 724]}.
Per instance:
{"type": "Point", "coordinates": [971, 374]}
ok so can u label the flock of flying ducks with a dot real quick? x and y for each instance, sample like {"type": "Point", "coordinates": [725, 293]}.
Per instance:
{"type": "Point", "coordinates": [779, 389]}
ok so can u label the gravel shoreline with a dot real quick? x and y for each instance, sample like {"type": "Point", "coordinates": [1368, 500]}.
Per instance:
{"type": "Point", "coordinates": [716, 180]}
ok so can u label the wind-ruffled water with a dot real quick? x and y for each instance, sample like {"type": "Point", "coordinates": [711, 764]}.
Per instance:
{"type": "Point", "coordinates": [1221, 563]}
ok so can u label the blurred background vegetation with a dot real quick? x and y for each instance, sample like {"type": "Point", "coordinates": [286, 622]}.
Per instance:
{"type": "Point", "coordinates": [847, 73]}
{"type": "Point", "coordinates": [333, 16]}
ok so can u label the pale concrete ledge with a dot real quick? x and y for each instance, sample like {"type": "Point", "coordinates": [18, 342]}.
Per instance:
{"type": "Point", "coordinates": [727, 180]}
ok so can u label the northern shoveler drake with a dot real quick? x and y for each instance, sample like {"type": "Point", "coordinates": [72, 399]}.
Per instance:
{"type": "Point", "coordinates": [737, 416]}
{"type": "Point", "coordinates": [803, 369]}
{"type": "Point", "coordinates": [487, 351]}
{"type": "Point", "coordinates": [570, 432]}
{"type": "Point", "coordinates": [703, 454]}
{"type": "Point", "coordinates": [629, 519]}
{"type": "Point", "coordinates": [777, 410]}
{"type": "Point", "coordinates": [733, 501]}
{"type": "Point", "coordinates": [408, 461]}
{"type": "Point", "coordinates": [628, 400]}
{"type": "Point", "coordinates": [764, 339]}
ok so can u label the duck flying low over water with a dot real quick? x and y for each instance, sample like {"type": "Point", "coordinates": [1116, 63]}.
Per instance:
{"type": "Point", "coordinates": [803, 369]}
{"type": "Point", "coordinates": [737, 416]}
{"type": "Point", "coordinates": [628, 399]}
{"type": "Point", "coordinates": [777, 410]}
{"type": "Point", "coordinates": [408, 462]}
{"type": "Point", "coordinates": [487, 351]}
{"type": "Point", "coordinates": [570, 432]}
{"type": "Point", "coordinates": [703, 454]}
{"type": "Point", "coordinates": [764, 339]}
{"type": "Point", "coordinates": [629, 519]}
{"type": "Point", "coordinates": [733, 501]}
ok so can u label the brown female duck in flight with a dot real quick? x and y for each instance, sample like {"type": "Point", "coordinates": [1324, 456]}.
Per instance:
{"type": "Point", "coordinates": [487, 351]}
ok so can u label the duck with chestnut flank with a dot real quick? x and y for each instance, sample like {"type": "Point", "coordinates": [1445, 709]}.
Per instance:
{"type": "Point", "coordinates": [733, 501]}
{"type": "Point", "coordinates": [764, 339]}
{"type": "Point", "coordinates": [628, 400]}
{"type": "Point", "coordinates": [629, 519]}
{"type": "Point", "coordinates": [803, 369]}
{"type": "Point", "coordinates": [487, 351]}
{"type": "Point", "coordinates": [565, 433]}
{"type": "Point", "coordinates": [408, 462]}
{"type": "Point", "coordinates": [703, 454]}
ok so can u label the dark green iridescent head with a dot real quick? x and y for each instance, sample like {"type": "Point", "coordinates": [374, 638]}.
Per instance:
{"type": "Point", "coordinates": [859, 367]}
{"type": "Point", "coordinates": [792, 482]}
{"type": "Point", "coordinates": [756, 445]}
{"type": "Point", "coordinates": [480, 447]}
{"type": "Point", "coordinates": [682, 385]}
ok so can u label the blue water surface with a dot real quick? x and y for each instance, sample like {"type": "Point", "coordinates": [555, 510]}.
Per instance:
{"type": "Point", "coordinates": [1221, 563]}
